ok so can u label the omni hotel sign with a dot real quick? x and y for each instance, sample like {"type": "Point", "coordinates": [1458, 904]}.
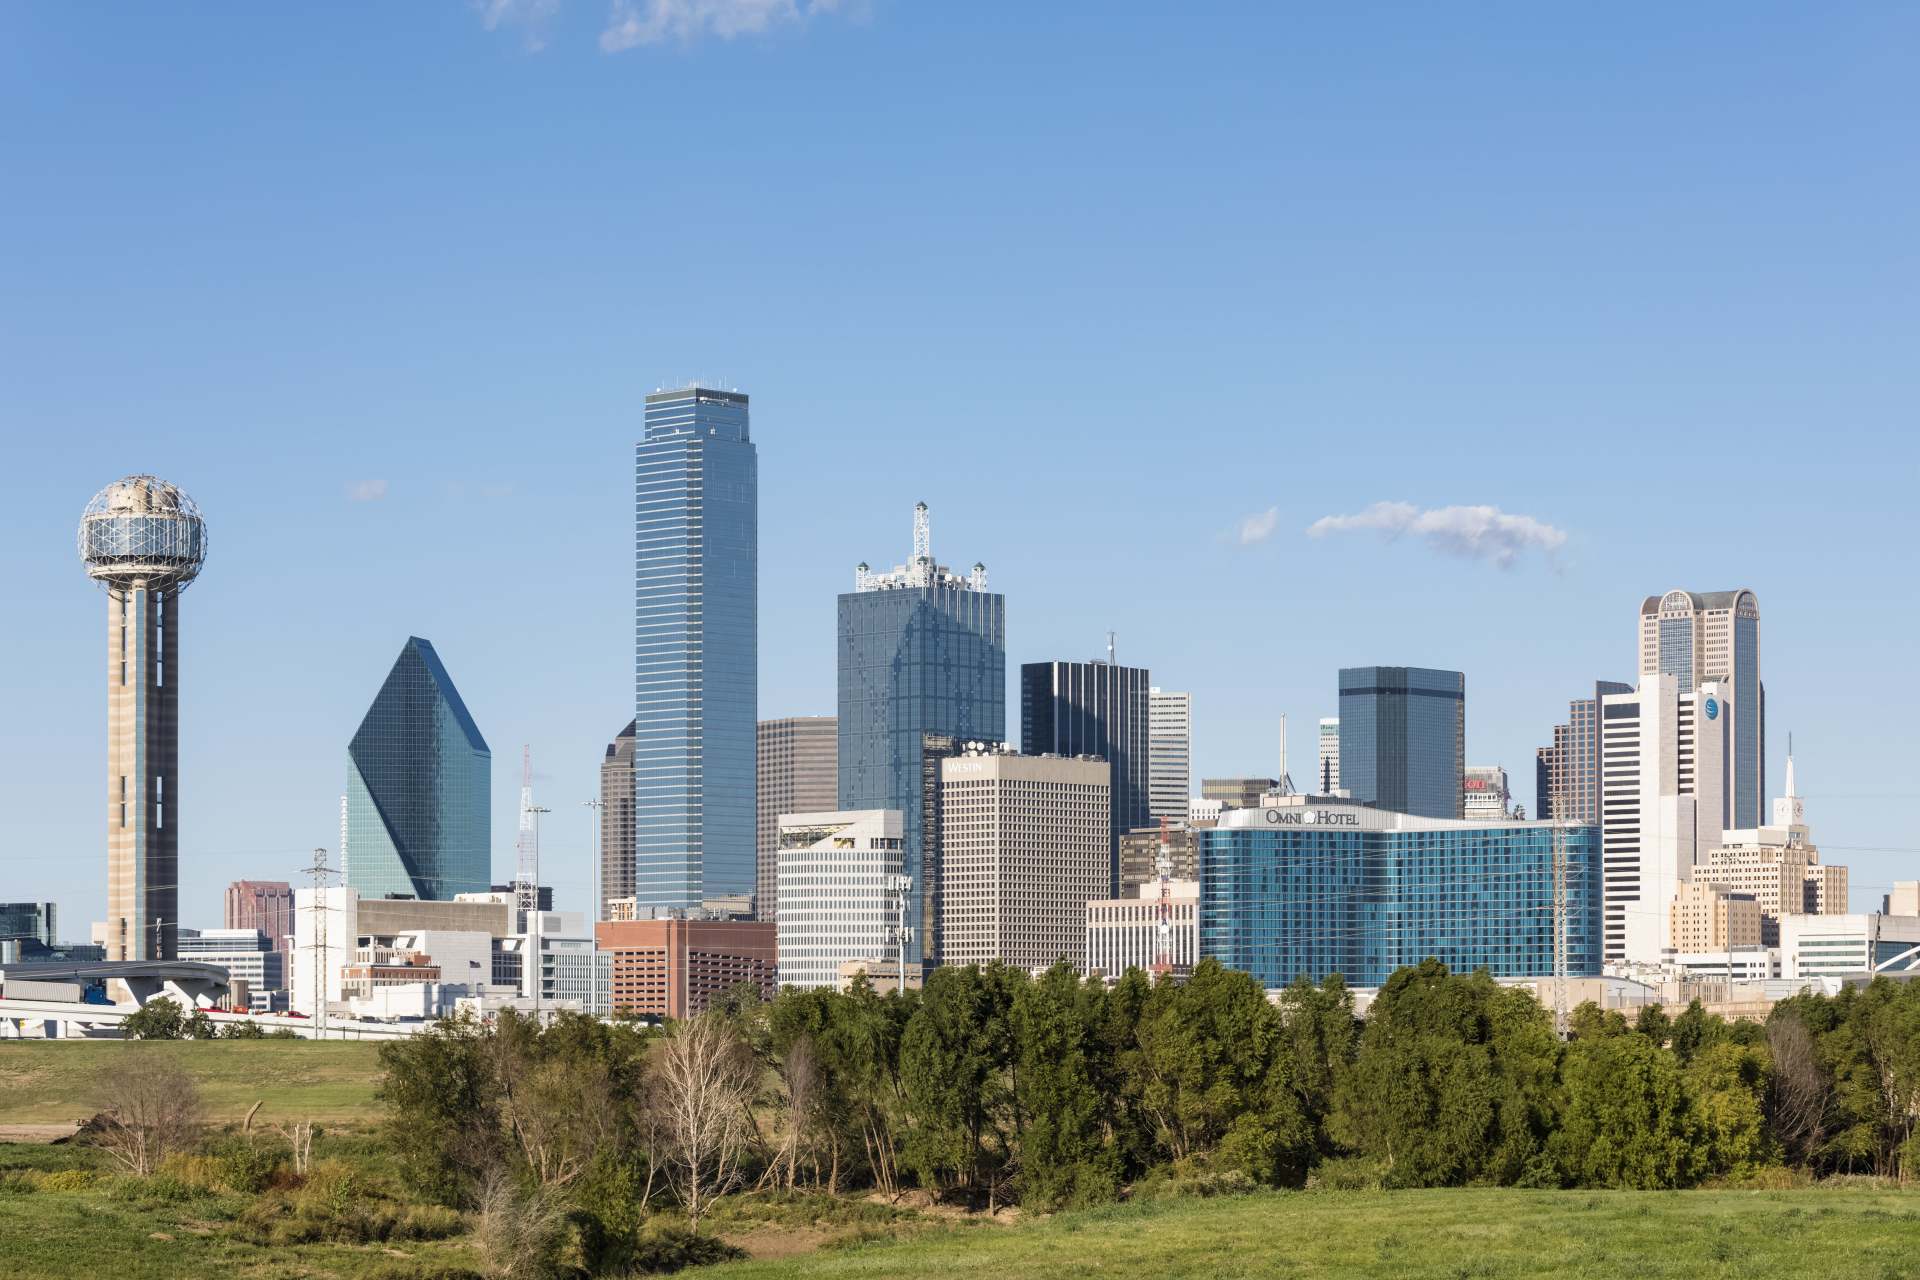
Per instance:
{"type": "Point", "coordinates": [1286, 817]}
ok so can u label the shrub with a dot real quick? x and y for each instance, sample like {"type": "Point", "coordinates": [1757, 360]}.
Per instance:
{"type": "Point", "coordinates": [1194, 1177]}
{"type": "Point", "coordinates": [671, 1247]}
{"type": "Point", "coordinates": [1351, 1173]}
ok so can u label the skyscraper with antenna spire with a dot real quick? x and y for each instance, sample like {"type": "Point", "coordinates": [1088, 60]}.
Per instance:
{"type": "Point", "coordinates": [922, 653]}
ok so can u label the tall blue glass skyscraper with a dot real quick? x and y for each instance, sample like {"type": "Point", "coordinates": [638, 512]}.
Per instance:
{"type": "Point", "coordinates": [1403, 738]}
{"type": "Point", "coordinates": [419, 788]}
{"type": "Point", "coordinates": [696, 648]}
{"type": "Point", "coordinates": [922, 654]}
{"type": "Point", "coordinates": [1321, 888]}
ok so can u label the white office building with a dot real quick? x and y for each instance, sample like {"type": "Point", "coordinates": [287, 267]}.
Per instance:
{"type": "Point", "coordinates": [563, 977]}
{"type": "Point", "coordinates": [837, 875]}
{"type": "Point", "coordinates": [1663, 806]}
{"type": "Point", "coordinates": [1124, 933]}
{"type": "Point", "coordinates": [246, 954]}
{"type": "Point", "coordinates": [1024, 848]}
{"type": "Point", "coordinates": [1169, 754]}
{"type": "Point", "coordinates": [1485, 794]}
{"type": "Point", "coordinates": [1848, 946]}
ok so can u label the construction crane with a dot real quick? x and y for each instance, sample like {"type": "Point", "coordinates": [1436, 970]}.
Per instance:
{"type": "Point", "coordinates": [1163, 864]}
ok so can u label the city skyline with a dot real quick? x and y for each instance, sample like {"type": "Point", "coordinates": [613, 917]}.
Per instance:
{"type": "Point", "coordinates": [1485, 346]}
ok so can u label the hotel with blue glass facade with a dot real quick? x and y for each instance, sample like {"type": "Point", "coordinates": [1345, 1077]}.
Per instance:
{"type": "Point", "coordinates": [1312, 886]}
{"type": "Point", "coordinates": [696, 649]}
{"type": "Point", "coordinates": [922, 652]}
{"type": "Point", "coordinates": [1403, 738]}
{"type": "Point", "coordinates": [419, 788]}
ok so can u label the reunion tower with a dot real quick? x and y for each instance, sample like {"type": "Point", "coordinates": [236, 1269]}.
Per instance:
{"type": "Point", "coordinates": [144, 541]}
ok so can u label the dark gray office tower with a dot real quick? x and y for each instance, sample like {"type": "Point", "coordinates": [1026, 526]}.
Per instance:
{"type": "Point", "coordinates": [1403, 739]}
{"type": "Point", "coordinates": [1093, 709]}
{"type": "Point", "coordinates": [922, 650]}
{"type": "Point", "coordinates": [617, 856]}
{"type": "Point", "coordinates": [1566, 775]}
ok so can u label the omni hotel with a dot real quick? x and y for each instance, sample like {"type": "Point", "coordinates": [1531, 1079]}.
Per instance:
{"type": "Point", "coordinates": [1316, 885]}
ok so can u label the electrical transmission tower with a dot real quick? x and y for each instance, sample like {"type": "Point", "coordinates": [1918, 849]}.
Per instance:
{"type": "Point", "coordinates": [321, 873]}
{"type": "Point", "coordinates": [1163, 864]}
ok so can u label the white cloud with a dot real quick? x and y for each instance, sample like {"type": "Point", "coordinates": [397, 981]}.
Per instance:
{"type": "Point", "coordinates": [531, 16]}
{"type": "Point", "coordinates": [637, 22]}
{"type": "Point", "coordinates": [1475, 533]}
{"type": "Point", "coordinates": [366, 491]}
{"type": "Point", "coordinates": [1260, 527]}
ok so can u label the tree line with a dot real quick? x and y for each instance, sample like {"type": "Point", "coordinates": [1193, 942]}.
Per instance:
{"type": "Point", "coordinates": [990, 1087]}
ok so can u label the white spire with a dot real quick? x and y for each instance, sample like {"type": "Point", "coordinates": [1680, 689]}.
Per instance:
{"type": "Point", "coordinates": [1790, 810]}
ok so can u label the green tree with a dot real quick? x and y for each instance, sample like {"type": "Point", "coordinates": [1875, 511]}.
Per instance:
{"type": "Point", "coordinates": [1066, 1152]}
{"type": "Point", "coordinates": [1694, 1030]}
{"type": "Point", "coordinates": [443, 1095]}
{"type": "Point", "coordinates": [1320, 1035]}
{"type": "Point", "coordinates": [1729, 1086]}
{"type": "Point", "coordinates": [957, 1062]}
{"type": "Point", "coordinates": [1589, 1021]}
{"type": "Point", "coordinates": [1653, 1023]}
{"type": "Point", "coordinates": [1215, 1080]}
{"type": "Point", "coordinates": [1423, 1096]}
{"type": "Point", "coordinates": [1627, 1121]}
{"type": "Point", "coordinates": [161, 1018]}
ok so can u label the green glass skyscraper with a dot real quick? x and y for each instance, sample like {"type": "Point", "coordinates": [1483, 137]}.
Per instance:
{"type": "Point", "coordinates": [419, 785]}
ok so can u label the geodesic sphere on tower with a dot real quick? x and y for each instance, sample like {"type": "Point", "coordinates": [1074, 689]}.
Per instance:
{"type": "Point", "coordinates": [142, 530]}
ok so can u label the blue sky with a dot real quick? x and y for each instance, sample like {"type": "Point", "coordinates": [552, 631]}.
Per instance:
{"type": "Point", "coordinates": [1132, 294]}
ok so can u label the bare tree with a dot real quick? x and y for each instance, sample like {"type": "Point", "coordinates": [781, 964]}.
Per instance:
{"type": "Point", "coordinates": [519, 1228]}
{"type": "Point", "coordinates": [299, 1136]}
{"type": "Point", "coordinates": [800, 1090]}
{"type": "Point", "coordinates": [1799, 1094]}
{"type": "Point", "coordinates": [561, 1114]}
{"type": "Point", "coordinates": [704, 1082]}
{"type": "Point", "coordinates": [149, 1110]}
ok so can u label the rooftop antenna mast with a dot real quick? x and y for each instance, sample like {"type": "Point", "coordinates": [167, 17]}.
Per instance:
{"type": "Point", "coordinates": [1109, 648]}
{"type": "Point", "coordinates": [1286, 780]}
{"type": "Point", "coordinates": [526, 885]}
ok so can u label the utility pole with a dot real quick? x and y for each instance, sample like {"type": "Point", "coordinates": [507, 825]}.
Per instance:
{"type": "Point", "coordinates": [320, 873]}
{"type": "Point", "coordinates": [593, 927]}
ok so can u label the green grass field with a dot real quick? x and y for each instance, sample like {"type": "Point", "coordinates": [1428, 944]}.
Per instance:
{"type": "Point", "coordinates": [1859, 1233]}
{"type": "Point", "coordinates": [331, 1082]}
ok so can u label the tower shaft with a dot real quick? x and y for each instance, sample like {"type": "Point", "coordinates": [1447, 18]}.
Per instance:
{"type": "Point", "coordinates": [143, 759]}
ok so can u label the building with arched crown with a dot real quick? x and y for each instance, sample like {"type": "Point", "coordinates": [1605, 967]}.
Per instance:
{"type": "Point", "coordinates": [1701, 637]}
